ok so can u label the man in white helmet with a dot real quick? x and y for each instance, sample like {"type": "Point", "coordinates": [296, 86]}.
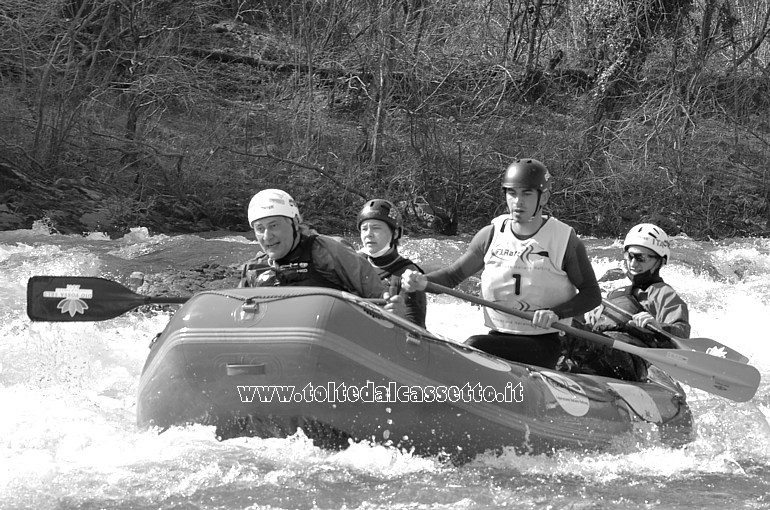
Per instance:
{"type": "Point", "coordinates": [651, 302]}
{"type": "Point", "coordinates": [294, 255]}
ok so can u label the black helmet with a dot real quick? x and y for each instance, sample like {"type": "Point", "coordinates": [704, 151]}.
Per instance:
{"type": "Point", "coordinates": [382, 210]}
{"type": "Point", "coordinates": [527, 173]}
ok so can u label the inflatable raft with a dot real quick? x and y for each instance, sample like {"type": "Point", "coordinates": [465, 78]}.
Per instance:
{"type": "Point", "coordinates": [269, 361]}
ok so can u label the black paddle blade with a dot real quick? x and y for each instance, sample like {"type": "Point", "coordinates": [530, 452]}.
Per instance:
{"type": "Point", "coordinates": [82, 298]}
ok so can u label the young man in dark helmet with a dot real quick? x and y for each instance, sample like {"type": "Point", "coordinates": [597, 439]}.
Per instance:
{"type": "Point", "coordinates": [381, 227]}
{"type": "Point", "coordinates": [530, 262]}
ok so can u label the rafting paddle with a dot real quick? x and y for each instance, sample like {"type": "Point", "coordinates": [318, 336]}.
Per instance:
{"type": "Point", "coordinates": [89, 298]}
{"type": "Point", "coordinates": [84, 298]}
{"type": "Point", "coordinates": [706, 345]}
{"type": "Point", "coordinates": [719, 376]}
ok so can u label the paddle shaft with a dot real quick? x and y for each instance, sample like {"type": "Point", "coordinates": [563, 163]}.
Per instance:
{"type": "Point", "coordinates": [440, 289]}
{"type": "Point", "coordinates": [706, 345]}
{"type": "Point", "coordinates": [89, 298]}
{"type": "Point", "coordinates": [81, 298]}
{"type": "Point", "coordinates": [719, 376]}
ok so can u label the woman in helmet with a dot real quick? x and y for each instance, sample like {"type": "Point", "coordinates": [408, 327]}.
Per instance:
{"type": "Point", "coordinates": [292, 254]}
{"type": "Point", "coordinates": [380, 226]}
{"type": "Point", "coordinates": [531, 262]}
{"type": "Point", "coordinates": [651, 302]}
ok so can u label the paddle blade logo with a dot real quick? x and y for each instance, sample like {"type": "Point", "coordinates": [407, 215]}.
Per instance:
{"type": "Point", "coordinates": [719, 352]}
{"type": "Point", "coordinates": [72, 298]}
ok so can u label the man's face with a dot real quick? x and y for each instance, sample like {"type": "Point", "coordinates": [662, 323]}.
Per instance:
{"type": "Point", "coordinates": [275, 234]}
{"type": "Point", "coordinates": [640, 259]}
{"type": "Point", "coordinates": [524, 203]}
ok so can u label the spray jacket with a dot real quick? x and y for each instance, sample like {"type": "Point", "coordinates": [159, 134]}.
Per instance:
{"type": "Point", "coordinates": [390, 268]}
{"type": "Point", "coordinates": [316, 261]}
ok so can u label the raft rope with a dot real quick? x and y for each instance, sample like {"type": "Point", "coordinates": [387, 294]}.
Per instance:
{"type": "Point", "coordinates": [367, 305]}
{"type": "Point", "coordinates": [279, 297]}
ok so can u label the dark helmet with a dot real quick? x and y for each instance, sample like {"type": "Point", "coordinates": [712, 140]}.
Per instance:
{"type": "Point", "coordinates": [382, 210]}
{"type": "Point", "coordinates": [527, 173]}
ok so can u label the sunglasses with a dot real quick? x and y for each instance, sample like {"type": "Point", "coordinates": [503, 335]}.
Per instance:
{"type": "Point", "coordinates": [642, 258]}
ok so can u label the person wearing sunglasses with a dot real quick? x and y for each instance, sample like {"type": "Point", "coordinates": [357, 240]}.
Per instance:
{"type": "Point", "coordinates": [652, 303]}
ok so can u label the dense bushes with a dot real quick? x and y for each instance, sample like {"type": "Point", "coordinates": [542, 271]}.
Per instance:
{"type": "Point", "coordinates": [171, 114]}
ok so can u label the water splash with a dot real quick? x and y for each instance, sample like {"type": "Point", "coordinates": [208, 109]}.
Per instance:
{"type": "Point", "coordinates": [72, 442]}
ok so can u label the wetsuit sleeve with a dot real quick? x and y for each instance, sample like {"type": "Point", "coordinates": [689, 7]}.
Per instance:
{"type": "Point", "coordinates": [670, 310]}
{"type": "Point", "coordinates": [343, 266]}
{"type": "Point", "coordinates": [416, 302]}
{"type": "Point", "coordinates": [581, 273]}
{"type": "Point", "coordinates": [468, 264]}
{"type": "Point", "coordinates": [416, 307]}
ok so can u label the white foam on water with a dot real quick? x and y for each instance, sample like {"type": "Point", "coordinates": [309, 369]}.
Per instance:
{"type": "Point", "coordinates": [71, 439]}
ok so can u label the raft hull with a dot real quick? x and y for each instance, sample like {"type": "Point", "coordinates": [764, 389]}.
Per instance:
{"type": "Point", "coordinates": [266, 362]}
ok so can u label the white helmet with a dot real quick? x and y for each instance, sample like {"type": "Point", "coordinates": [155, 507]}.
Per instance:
{"type": "Point", "coordinates": [272, 202]}
{"type": "Point", "coordinates": [650, 236]}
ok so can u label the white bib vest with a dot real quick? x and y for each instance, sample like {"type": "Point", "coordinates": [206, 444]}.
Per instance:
{"type": "Point", "coordinates": [525, 275]}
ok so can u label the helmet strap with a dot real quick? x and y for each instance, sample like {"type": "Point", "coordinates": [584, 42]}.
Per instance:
{"type": "Point", "coordinates": [539, 208]}
{"type": "Point", "coordinates": [295, 232]}
{"type": "Point", "coordinates": [395, 236]}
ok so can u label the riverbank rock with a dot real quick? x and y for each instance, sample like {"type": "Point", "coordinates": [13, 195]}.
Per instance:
{"type": "Point", "coordinates": [187, 282]}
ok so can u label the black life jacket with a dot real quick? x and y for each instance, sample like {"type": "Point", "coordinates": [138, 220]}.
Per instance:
{"type": "Point", "coordinates": [295, 269]}
{"type": "Point", "coordinates": [613, 321]}
{"type": "Point", "coordinates": [390, 267]}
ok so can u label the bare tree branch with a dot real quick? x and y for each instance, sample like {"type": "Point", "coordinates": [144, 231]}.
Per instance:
{"type": "Point", "coordinates": [330, 175]}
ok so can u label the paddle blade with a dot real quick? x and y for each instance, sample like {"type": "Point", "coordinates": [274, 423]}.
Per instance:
{"type": "Point", "coordinates": [713, 348]}
{"type": "Point", "coordinates": [706, 345]}
{"type": "Point", "coordinates": [82, 298]}
{"type": "Point", "coordinates": [723, 377]}
{"type": "Point", "coordinates": [714, 374]}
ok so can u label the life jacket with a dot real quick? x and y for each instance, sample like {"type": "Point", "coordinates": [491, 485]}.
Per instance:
{"type": "Point", "coordinates": [390, 267]}
{"type": "Point", "coordinates": [395, 267]}
{"type": "Point", "coordinates": [296, 269]}
{"type": "Point", "coordinates": [525, 274]}
{"type": "Point", "coordinates": [614, 321]}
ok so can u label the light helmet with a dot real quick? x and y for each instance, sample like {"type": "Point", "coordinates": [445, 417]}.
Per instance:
{"type": "Point", "coordinates": [382, 210]}
{"type": "Point", "coordinates": [650, 236]}
{"type": "Point", "coordinates": [527, 173]}
{"type": "Point", "coordinates": [272, 202]}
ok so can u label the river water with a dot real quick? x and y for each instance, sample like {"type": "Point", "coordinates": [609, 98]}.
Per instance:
{"type": "Point", "coordinates": [68, 437]}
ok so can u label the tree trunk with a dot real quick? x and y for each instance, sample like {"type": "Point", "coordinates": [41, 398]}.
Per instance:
{"type": "Point", "coordinates": [383, 78]}
{"type": "Point", "coordinates": [531, 59]}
